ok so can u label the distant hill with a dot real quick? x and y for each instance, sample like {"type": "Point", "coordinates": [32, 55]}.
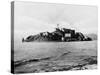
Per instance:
{"type": "Point", "coordinates": [92, 35]}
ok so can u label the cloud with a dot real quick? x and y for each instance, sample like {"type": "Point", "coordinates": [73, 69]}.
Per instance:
{"type": "Point", "coordinates": [37, 17]}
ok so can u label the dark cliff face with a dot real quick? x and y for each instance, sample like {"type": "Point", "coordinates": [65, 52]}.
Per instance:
{"type": "Point", "coordinates": [63, 34]}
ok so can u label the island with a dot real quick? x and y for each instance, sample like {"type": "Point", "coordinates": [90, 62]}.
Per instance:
{"type": "Point", "coordinates": [59, 35]}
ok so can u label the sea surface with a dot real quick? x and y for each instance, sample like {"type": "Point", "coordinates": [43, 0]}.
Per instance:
{"type": "Point", "coordinates": [60, 53]}
{"type": "Point", "coordinates": [28, 50]}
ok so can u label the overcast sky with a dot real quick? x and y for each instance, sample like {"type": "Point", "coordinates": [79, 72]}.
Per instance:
{"type": "Point", "coordinates": [32, 18]}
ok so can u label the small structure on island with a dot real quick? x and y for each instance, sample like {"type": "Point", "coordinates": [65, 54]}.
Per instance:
{"type": "Point", "coordinates": [59, 35]}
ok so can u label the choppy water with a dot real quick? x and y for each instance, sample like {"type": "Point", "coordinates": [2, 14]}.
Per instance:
{"type": "Point", "coordinates": [30, 50]}
{"type": "Point", "coordinates": [31, 57]}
